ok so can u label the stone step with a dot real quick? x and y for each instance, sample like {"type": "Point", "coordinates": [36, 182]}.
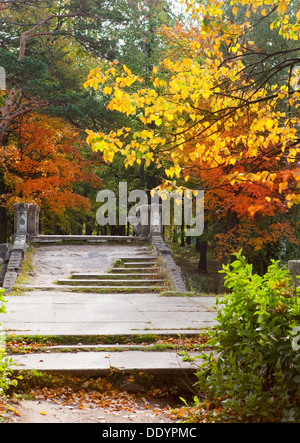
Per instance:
{"type": "Point", "coordinates": [110, 282]}
{"type": "Point", "coordinates": [100, 348]}
{"type": "Point", "coordinates": [114, 275]}
{"type": "Point", "coordinates": [83, 238]}
{"type": "Point", "coordinates": [135, 264]}
{"type": "Point", "coordinates": [101, 363]}
{"type": "Point", "coordinates": [94, 289]}
{"type": "Point", "coordinates": [134, 270]}
{"type": "Point", "coordinates": [139, 259]}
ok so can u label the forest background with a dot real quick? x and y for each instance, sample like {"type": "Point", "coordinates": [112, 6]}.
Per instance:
{"type": "Point", "coordinates": [202, 96]}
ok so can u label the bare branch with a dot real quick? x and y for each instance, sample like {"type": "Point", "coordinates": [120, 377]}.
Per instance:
{"type": "Point", "coordinates": [31, 32]}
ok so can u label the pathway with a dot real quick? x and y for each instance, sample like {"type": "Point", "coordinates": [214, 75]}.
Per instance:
{"type": "Point", "coordinates": [74, 292]}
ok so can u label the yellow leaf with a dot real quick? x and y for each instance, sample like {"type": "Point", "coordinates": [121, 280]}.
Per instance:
{"type": "Point", "coordinates": [282, 7]}
{"type": "Point", "coordinates": [156, 82]}
{"type": "Point", "coordinates": [43, 413]}
{"type": "Point", "coordinates": [235, 10]}
{"type": "Point", "coordinates": [107, 90]}
{"type": "Point", "coordinates": [127, 70]}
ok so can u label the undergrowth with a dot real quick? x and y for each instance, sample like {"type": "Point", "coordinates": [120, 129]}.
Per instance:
{"type": "Point", "coordinates": [253, 374]}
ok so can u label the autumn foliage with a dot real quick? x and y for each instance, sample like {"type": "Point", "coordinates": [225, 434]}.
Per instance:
{"type": "Point", "coordinates": [202, 107]}
{"type": "Point", "coordinates": [43, 161]}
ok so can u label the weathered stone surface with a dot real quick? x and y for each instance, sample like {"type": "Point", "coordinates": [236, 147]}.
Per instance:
{"type": "Point", "coordinates": [15, 261]}
{"type": "Point", "coordinates": [150, 220]}
{"type": "Point", "coordinates": [19, 243]}
{"type": "Point", "coordinates": [294, 268]}
{"type": "Point", "coordinates": [33, 219]}
{"type": "Point", "coordinates": [20, 221]}
{"type": "Point", "coordinates": [26, 220]}
{"type": "Point", "coordinates": [173, 270]}
{"type": "Point", "coordinates": [10, 279]}
{"type": "Point", "coordinates": [8, 252]}
{"type": "Point", "coordinates": [2, 274]}
{"type": "Point", "coordinates": [3, 250]}
{"type": "Point", "coordinates": [82, 238]}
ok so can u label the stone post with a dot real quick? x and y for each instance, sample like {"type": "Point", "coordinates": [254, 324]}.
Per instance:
{"type": "Point", "coordinates": [33, 218]}
{"type": "Point", "coordinates": [26, 219]}
{"type": "Point", "coordinates": [150, 220]}
{"type": "Point", "coordinates": [294, 268]}
{"type": "Point", "coordinates": [156, 221]}
{"type": "Point", "coordinates": [21, 210]}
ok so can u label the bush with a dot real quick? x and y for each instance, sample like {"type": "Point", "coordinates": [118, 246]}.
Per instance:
{"type": "Point", "coordinates": [254, 373]}
{"type": "Point", "coordinates": [5, 363]}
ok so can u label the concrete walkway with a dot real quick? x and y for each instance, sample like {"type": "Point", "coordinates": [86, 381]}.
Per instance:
{"type": "Point", "coordinates": [46, 309]}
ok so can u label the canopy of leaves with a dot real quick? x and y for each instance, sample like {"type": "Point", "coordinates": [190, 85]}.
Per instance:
{"type": "Point", "coordinates": [206, 107]}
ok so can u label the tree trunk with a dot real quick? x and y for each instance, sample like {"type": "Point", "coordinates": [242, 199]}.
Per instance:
{"type": "Point", "coordinates": [182, 239]}
{"type": "Point", "coordinates": [3, 214]}
{"type": "Point", "coordinates": [202, 265]}
{"type": "Point", "coordinates": [182, 242]}
{"type": "Point", "coordinates": [3, 225]}
{"type": "Point", "coordinates": [220, 278]}
{"type": "Point", "coordinates": [188, 238]}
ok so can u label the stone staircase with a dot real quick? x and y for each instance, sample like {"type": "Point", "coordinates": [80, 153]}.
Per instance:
{"type": "Point", "coordinates": [129, 275]}
{"type": "Point", "coordinates": [102, 296]}
{"type": "Point", "coordinates": [139, 274]}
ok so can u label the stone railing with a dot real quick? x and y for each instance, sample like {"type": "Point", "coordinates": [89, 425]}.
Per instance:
{"type": "Point", "coordinates": [152, 227]}
{"type": "Point", "coordinates": [172, 269]}
{"type": "Point", "coordinates": [26, 228]}
{"type": "Point", "coordinates": [26, 224]}
{"type": "Point", "coordinates": [294, 268]}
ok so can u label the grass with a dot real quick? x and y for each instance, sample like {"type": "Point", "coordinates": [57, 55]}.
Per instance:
{"type": "Point", "coordinates": [118, 263]}
{"type": "Point", "coordinates": [27, 267]}
{"type": "Point", "coordinates": [187, 259]}
{"type": "Point", "coordinates": [185, 294]}
{"type": "Point", "coordinates": [50, 340]}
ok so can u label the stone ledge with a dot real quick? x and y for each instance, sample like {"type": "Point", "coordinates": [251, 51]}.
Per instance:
{"type": "Point", "coordinates": [294, 268]}
{"type": "Point", "coordinates": [174, 271]}
{"type": "Point", "coordinates": [83, 238]}
{"type": "Point", "coordinates": [100, 363]}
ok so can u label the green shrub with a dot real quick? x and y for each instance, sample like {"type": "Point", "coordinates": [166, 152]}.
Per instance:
{"type": "Point", "coordinates": [253, 375]}
{"type": "Point", "coordinates": [5, 362]}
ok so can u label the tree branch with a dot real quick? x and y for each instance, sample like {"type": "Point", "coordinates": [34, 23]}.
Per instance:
{"type": "Point", "coordinates": [31, 32]}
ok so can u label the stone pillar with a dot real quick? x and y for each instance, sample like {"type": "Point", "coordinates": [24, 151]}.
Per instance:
{"type": "Point", "coordinates": [26, 219]}
{"type": "Point", "coordinates": [156, 218]}
{"type": "Point", "coordinates": [150, 221]}
{"type": "Point", "coordinates": [33, 219]}
{"type": "Point", "coordinates": [21, 210]}
{"type": "Point", "coordinates": [294, 268]}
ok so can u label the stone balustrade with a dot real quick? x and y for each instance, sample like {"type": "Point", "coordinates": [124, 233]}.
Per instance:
{"type": "Point", "coordinates": [294, 268]}
{"type": "Point", "coordinates": [26, 225]}
{"type": "Point", "coordinates": [26, 228]}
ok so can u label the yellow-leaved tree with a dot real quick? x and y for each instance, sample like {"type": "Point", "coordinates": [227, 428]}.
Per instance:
{"type": "Point", "coordinates": [213, 104]}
